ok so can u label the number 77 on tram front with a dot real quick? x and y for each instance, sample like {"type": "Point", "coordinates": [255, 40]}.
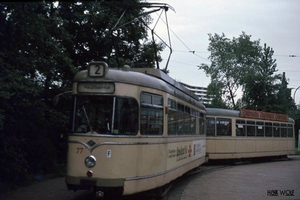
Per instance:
{"type": "Point", "coordinates": [132, 130]}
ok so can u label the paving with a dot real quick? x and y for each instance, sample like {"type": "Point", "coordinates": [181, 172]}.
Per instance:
{"type": "Point", "coordinates": [265, 180]}
{"type": "Point", "coordinates": [268, 180]}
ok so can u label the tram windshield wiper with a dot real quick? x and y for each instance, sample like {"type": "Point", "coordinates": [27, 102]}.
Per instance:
{"type": "Point", "coordinates": [87, 118]}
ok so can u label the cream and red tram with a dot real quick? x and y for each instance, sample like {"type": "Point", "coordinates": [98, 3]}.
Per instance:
{"type": "Point", "coordinates": [247, 134]}
{"type": "Point", "coordinates": [133, 130]}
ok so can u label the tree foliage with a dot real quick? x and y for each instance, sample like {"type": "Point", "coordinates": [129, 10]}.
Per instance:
{"type": "Point", "coordinates": [42, 45]}
{"type": "Point", "coordinates": [229, 59]}
{"type": "Point", "coordinates": [243, 65]}
{"type": "Point", "coordinates": [261, 84]}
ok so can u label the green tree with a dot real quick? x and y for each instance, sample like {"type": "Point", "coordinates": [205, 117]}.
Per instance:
{"type": "Point", "coordinates": [260, 83]}
{"type": "Point", "coordinates": [264, 89]}
{"type": "Point", "coordinates": [114, 31]}
{"type": "Point", "coordinates": [229, 59]}
{"type": "Point", "coordinates": [285, 103]}
{"type": "Point", "coordinates": [31, 59]}
{"type": "Point", "coordinates": [42, 46]}
{"type": "Point", "coordinates": [214, 90]}
{"type": "Point", "coordinates": [242, 64]}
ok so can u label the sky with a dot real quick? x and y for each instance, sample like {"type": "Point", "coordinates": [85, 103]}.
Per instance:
{"type": "Point", "coordinates": [274, 22]}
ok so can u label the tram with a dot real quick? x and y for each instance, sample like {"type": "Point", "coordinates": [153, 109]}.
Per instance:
{"type": "Point", "coordinates": [248, 134]}
{"type": "Point", "coordinates": [132, 130]}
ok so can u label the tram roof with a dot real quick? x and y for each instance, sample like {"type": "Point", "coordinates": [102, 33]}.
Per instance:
{"type": "Point", "coordinates": [222, 112]}
{"type": "Point", "coordinates": [147, 77]}
{"type": "Point", "coordinates": [230, 113]}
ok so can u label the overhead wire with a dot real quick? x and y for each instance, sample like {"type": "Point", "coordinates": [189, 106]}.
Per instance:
{"type": "Point", "coordinates": [194, 51]}
{"type": "Point", "coordinates": [189, 50]}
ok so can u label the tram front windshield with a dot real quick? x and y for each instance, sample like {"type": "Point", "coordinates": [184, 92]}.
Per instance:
{"type": "Point", "coordinates": [105, 115]}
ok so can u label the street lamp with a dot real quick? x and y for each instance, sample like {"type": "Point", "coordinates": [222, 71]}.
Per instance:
{"type": "Point", "coordinates": [295, 93]}
{"type": "Point", "coordinates": [299, 129]}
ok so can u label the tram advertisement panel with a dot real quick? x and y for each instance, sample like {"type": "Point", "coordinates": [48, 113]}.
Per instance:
{"type": "Point", "coordinates": [183, 152]}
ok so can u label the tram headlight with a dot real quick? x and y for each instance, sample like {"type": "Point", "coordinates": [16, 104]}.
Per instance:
{"type": "Point", "coordinates": [90, 161]}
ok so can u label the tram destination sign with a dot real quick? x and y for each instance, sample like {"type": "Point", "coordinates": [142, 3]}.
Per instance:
{"type": "Point", "coordinates": [96, 88]}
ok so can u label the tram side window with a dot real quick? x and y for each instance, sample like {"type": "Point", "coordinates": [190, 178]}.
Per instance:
{"type": "Point", "coordinates": [181, 121]}
{"type": "Point", "coordinates": [211, 124]}
{"type": "Point", "coordinates": [240, 128]}
{"type": "Point", "coordinates": [276, 130]}
{"type": "Point", "coordinates": [201, 123]}
{"type": "Point", "coordinates": [290, 130]}
{"type": "Point", "coordinates": [283, 130]}
{"type": "Point", "coordinates": [260, 128]}
{"type": "Point", "coordinates": [223, 127]}
{"type": "Point", "coordinates": [189, 123]}
{"type": "Point", "coordinates": [126, 116]}
{"type": "Point", "coordinates": [192, 122]}
{"type": "Point", "coordinates": [151, 114]}
{"type": "Point", "coordinates": [268, 129]}
{"type": "Point", "coordinates": [250, 128]}
{"type": "Point", "coordinates": [172, 117]}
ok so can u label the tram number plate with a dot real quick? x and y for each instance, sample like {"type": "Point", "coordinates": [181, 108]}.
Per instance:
{"type": "Point", "coordinates": [96, 69]}
{"type": "Point", "coordinates": [79, 150]}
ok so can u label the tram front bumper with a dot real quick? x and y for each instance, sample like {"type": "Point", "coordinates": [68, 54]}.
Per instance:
{"type": "Point", "coordinates": [85, 183]}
